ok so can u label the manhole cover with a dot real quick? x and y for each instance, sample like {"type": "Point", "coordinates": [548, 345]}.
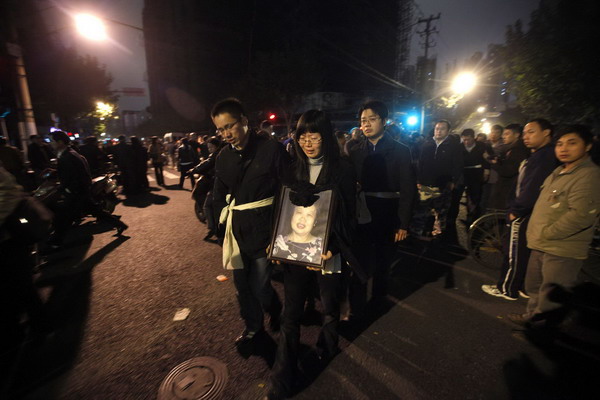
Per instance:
{"type": "Point", "coordinates": [201, 378]}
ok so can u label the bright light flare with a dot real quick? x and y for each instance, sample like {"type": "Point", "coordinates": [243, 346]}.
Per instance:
{"type": "Point", "coordinates": [91, 27]}
{"type": "Point", "coordinates": [104, 110]}
{"type": "Point", "coordinates": [464, 83]}
{"type": "Point", "coordinates": [412, 120]}
{"type": "Point", "coordinates": [486, 128]}
{"type": "Point", "coordinates": [481, 110]}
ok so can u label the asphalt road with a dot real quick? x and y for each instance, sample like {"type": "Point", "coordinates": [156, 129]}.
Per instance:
{"type": "Point", "coordinates": [113, 300]}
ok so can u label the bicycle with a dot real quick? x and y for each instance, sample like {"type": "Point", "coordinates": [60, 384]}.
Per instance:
{"type": "Point", "coordinates": [486, 237]}
{"type": "Point", "coordinates": [488, 233]}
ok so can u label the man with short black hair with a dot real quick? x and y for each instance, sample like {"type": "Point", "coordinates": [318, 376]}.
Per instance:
{"type": "Point", "coordinates": [561, 227]}
{"type": "Point", "coordinates": [537, 137]}
{"type": "Point", "coordinates": [76, 184]}
{"type": "Point", "coordinates": [439, 170]}
{"type": "Point", "coordinates": [512, 154]}
{"type": "Point", "coordinates": [385, 175]}
{"type": "Point", "coordinates": [475, 173]}
{"type": "Point", "coordinates": [248, 174]}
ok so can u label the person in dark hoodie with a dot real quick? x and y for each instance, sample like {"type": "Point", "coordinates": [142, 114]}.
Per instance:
{"type": "Point", "coordinates": [537, 137]}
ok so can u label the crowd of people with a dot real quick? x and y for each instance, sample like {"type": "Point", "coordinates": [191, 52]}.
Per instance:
{"type": "Point", "coordinates": [386, 188]}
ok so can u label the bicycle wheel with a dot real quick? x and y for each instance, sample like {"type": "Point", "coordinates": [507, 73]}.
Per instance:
{"type": "Point", "coordinates": [486, 236]}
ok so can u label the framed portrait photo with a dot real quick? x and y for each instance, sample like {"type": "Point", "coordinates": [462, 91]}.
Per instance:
{"type": "Point", "coordinates": [301, 233]}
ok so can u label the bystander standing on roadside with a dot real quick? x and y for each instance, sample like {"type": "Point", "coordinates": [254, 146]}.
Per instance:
{"type": "Point", "coordinates": [537, 137]}
{"type": "Point", "coordinates": [561, 227]}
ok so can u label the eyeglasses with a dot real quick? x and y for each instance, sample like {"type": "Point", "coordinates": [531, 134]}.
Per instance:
{"type": "Point", "coordinates": [303, 141]}
{"type": "Point", "coordinates": [227, 127]}
{"type": "Point", "coordinates": [371, 120]}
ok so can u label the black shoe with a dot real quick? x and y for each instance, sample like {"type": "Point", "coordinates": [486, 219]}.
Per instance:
{"type": "Point", "coordinates": [247, 337]}
{"type": "Point", "coordinates": [208, 236]}
{"type": "Point", "coordinates": [121, 228]}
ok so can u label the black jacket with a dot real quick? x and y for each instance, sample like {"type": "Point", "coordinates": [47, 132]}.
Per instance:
{"type": "Point", "coordinates": [474, 158]}
{"type": "Point", "coordinates": [253, 174]}
{"type": "Point", "coordinates": [539, 165]}
{"type": "Point", "coordinates": [387, 168]}
{"type": "Point", "coordinates": [440, 165]}
{"type": "Point", "coordinates": [74, 173]}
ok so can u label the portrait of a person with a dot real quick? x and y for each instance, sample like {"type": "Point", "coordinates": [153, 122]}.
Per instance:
{"type": "Point", "coordinates": [301, 243]}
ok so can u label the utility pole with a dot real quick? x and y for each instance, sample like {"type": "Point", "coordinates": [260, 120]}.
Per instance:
{"type": "Point", "coordinates": [428, 31]}
{"type": "Point", "coordinates": [426, 67]}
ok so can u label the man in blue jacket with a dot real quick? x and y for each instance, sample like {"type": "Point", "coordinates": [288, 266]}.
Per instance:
{"type": "Point", "coordinates": [537, 136]}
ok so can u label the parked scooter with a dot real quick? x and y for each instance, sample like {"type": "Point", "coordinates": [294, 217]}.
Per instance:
{"type": "Point", "coordinates": [104, 190]}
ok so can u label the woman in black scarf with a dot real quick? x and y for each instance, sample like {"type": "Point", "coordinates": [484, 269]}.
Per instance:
{"type": "Point", "coordinates": [318, 167]}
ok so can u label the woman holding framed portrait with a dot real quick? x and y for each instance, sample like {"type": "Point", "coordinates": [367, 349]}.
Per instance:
{"type": "Point", "coordinates": [315, 223]}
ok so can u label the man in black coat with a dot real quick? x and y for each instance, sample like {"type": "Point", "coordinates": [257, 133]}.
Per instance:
{"type": "Point", "coordinates": [475, 174]}
{"type": "Point", "coordinates": [76, 183]}
{"type": "Point", "coordinates": [440, 168]}
{"type": "Point", "coordinates": [386, 179]}
{"type": "Point", "coordinates": [248, 174]}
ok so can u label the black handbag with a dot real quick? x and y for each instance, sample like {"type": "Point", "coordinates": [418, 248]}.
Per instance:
{"type": "Point", "coordinates": [30, 222]}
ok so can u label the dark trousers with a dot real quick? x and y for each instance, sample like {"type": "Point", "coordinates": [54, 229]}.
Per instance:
{"type": "Point", "coordinates": [374, 249]}
{"type": "Point", "coordinates": [255, 293]}
{"type": "Point", "coordinates": [74, 207]}
{"type": "Point", "coordinates": [474, 192]}
{"type": "Point", "coordinates": [516, 258]}
{"type": "Point", "coordinates": [158, 173]}
{"type": "Point", "coordinates": [209, 213]}
{"type": "Point", "coordinates": [297, 283]}
{"type": "Point", "coordinates": [183, 169]}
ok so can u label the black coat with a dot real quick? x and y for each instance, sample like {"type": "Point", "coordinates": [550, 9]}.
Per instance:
{"type": "Point", "coordinates": [507, 168]}
{"type": "Point", "coordinates": [387, 169]}
{"type": "Point", "coordinates": [253, 174]}
{"type": "Point", "coordinates": [74, 173]}
{"type": "Point", "coordinates": [474, 176]}
{"type": "Point", "coordinates": [440, 165]}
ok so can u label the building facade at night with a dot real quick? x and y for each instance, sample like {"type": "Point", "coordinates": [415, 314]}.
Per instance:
{"type": "Point", "coordinates": [200, 52]}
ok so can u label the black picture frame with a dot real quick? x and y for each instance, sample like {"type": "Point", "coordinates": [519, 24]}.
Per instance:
{"type": "Point", "coordinates": [288, 242]}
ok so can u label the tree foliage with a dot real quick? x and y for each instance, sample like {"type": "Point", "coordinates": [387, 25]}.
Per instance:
{"type": "Point", "coordinates": [69, 86]}
{"type": "Point", "coordinates": [550, 67]}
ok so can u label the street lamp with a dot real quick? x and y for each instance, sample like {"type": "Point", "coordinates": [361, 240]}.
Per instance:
{"type": "Point", "coordinates": [464, 83]}
{"type": "Point", "coordinates": [461, 85]}
{"type": "Point", "coordinates": [91, 27]}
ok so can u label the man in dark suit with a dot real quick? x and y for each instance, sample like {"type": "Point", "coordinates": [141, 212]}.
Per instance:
{"type": "Point", "coordinates": [76, 184]}
{"type": "Point", "coordinates": [385, 175]}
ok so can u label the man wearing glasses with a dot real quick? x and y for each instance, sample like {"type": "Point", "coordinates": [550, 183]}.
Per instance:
{"type": "Point", "coordinates": [387, 184]}
{"type": "Point", "coordinates": [247, 177]}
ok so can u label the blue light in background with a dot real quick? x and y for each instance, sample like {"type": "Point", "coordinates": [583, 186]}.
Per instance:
{"type": "Point", "coordinates": [412, 120]}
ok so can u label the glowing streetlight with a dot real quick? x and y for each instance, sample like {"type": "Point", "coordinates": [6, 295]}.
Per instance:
{"type": "Point", "coordinates": [91, 27]}
{"type": "Point", "coordinates": [464, 83]}
{"type": "Point", "coordinates": [104, 109]}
